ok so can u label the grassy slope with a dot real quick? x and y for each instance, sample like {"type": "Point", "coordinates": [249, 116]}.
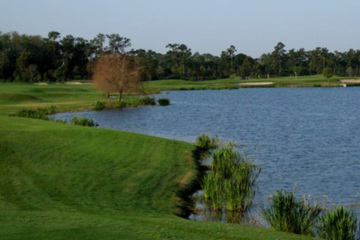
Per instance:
{"type": "Point", "coordinates": [306, 81]}
{"type": "Point", "coordinates": [68, 182]}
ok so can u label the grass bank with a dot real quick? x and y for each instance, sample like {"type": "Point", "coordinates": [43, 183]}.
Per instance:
{"type": "Point", "coordinates": [61, 181]}
{"type": "Point", "coordinates": [233, 83]}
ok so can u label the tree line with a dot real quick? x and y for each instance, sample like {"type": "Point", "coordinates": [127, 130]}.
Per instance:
{"type": "Point", "coordinates": [30, 58]}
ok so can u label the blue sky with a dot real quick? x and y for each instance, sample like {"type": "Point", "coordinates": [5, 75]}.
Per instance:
{"type": "Point", "coordinates": [206, 26]}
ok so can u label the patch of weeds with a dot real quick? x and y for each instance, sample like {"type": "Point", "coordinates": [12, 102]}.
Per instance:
{"type": "Point", "coordinates": [83, 121]}
{"type": "Point", "coordinates": [99, 106]}
{"type": "Point", "coordinates": [163, 101]}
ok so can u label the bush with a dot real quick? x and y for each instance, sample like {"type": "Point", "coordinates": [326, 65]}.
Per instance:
{"type": "Point", "coordinates": [339, 224]}
{"type": "Point", "coordinates": [205, 142]}
{"type": "Point", "coordinates": [288, 214]}
{"type": "Point", "coordinates": [83, 121]}
{"type": "Point", "coordinates": [163, 101]}
{"type": "Point", "coordinates": [99, 106]}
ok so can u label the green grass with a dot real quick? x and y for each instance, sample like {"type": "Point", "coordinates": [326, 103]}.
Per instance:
{"type": "Point", "coordinates": [60, 181]}
{"type": "Point", "coordinates": [232, 83]}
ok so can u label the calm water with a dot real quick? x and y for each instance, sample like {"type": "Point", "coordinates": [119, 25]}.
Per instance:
{"type": "Point", "coordinates": [306, 138]}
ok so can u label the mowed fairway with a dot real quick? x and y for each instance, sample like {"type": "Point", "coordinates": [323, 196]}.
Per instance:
{"type": "Point", "coordinates": [301, 81]}
{"type": "Point", "coordinates": [61, 181]}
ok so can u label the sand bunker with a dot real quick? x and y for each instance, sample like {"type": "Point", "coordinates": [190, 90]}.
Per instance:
{"type": "Point", "coordinates": [350, 81]}
{"type": "Point", "coordinates": [256, 83]}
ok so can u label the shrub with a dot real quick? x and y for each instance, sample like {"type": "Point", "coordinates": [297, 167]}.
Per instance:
{"type": "Point", "coordinates": [339, 224]}
{"type": "Point", "coordinates": [288, 214]}
{"type": "Point", "coordinates": [83, 121]}
{"type": "Point", "coordinates": [163, 101]}
{"type": "Point", "coordinates": [99, 106]}
{"type": "Point", "coordinates": [205, 142]}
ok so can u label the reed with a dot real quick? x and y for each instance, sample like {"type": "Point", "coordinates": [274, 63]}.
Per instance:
{"type": "Point", "coordinates": [338, 224]}
{"type": "Point", "coordinates": [289, 214]}
{"type": "Point", "coordinates": [213, 190]}
{"type": "Point", "coordinates": [83, 121]}
{"type": "Point", "coordinates": [232, 177]}
{"type": "Point", "coordinates": [205, 142]}
{"type": "Point", "coordinates": [163, 101]}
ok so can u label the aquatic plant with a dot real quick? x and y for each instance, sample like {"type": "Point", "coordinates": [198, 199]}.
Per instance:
{"type": "Point", "coordinates": [239, 189]}
{"type": "Point", "coordinates": [39, 113]}
{"type": "Point", "coordinates": [163, 101]}
{"type": "Point", "coordinates": [289, 214]}
{"type": "Point", "coordinates": [224, 160]}
{"type": "Point", "coordinates": [136, 101]}
{"type": "Point", "coordinates": [99, 106]}
{"type": "Point", "coordinates": [338, 224]}
{"type": "Point", "coordinates": [232, 179]}
{"type": "Point", "coordinates": [205, 142]}
{"type": "Point", "coordinates": [213, 190]}
{"type": "Point", "coordinates": [83, 121]}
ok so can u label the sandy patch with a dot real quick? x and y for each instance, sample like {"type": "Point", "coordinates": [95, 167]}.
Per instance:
{"type": "Point", "coordinates": [256, 83]}
{"type": "Point", "coordinates": [41, 83]}
{"type": "Point", "coordinates": [350, 81]}
{"type": "Point", "coordinates": [74, 83]}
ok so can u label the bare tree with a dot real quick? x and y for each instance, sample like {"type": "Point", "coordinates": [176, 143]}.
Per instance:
{"type": "Point", "coordinates": [117, 73]}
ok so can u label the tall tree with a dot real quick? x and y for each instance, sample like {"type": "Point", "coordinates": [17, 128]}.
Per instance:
{"type": "Point", "coordinates": [279, 59]}
{"type": "Point", "coordinates": [117, 44]}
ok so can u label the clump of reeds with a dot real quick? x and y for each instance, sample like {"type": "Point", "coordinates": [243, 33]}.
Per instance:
{"type": "Point", "coordinates": [163, 101]}
{"type": "Point", "coordinates": [213, 190]}
{"type": "Point", "coordinates": [83, 121]}
{"type": "Point", "coordinates": [99, 106]}
{"type": "Point", "coordinates": [230, 184]}
{"type": "Point", "coordinates": [205, 142]}
{"type": "Point", "coordinates": [339, 223]}
{"type": "Point", "coordinates": [136, 102]}
{"type": "Point", "coordinates": [39, 113]}
{"type": "Point", "coordinates": [289, 214]}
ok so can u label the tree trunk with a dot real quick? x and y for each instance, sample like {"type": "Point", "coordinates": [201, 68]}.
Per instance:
{"type": "Point", "coordinates": [107, 95]}
{"type": "Point", "coordinates": [120, 96]}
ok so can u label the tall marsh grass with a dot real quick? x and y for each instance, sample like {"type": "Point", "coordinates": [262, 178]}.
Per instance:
{"type": "Point", "coordinates": [338, 224]}
{"type": "Point", "coordinates": [39, 113]}
{"type": "Point", "coordinates": [163, 101]}
{"type": "Point", "coordinates": [230, 184]}
{"type": "Point", "coordinates": [205, 142]}
{"type": "Point", "coordinates": [83, 121]}
{"type": "Point", "coordinates": [289, 214]}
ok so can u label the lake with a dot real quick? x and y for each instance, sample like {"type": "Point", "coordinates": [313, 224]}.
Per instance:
{"type": "Point", "coordinates": [304, 138]}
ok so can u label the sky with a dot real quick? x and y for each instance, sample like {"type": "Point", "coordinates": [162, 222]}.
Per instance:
{"type": "Point", "coordinates": [254, 27]}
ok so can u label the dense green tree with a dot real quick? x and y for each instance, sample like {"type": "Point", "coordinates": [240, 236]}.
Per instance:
{"type": "Point", "coordinates": [116, 43]}
{"type": "Point", "coordinates": [246, 68]}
